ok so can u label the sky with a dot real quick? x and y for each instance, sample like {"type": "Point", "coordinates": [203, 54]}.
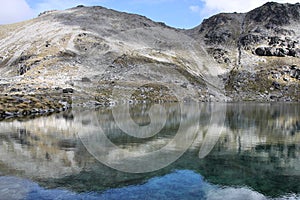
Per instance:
{"type": "Point", "coordinates": [176, 13]}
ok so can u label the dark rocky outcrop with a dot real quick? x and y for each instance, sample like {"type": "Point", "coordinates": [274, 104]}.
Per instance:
{"type": "Point", "coordinates": [68, 90]}
{"type": "Point", "coordinates": [274, 14]}
{"type": "Point", "coordinates": [220, 55]}
{"type": "Point", "coordinates": [219, 29]}
{"type": "Point", "coordinates": [251, 39]}
{"type": "Point", "coordinates": [279, 52]}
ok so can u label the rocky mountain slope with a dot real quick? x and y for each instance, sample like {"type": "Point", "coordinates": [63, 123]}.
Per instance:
{"type": "Point", "coordinates": [101, 56]}
{"type": "Point", "coordinates": [261, 49]}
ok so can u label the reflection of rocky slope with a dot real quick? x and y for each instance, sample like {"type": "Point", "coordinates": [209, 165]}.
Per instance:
{"type": "Point", "coordinates": [40, 148]}
{"type": "Point", "coordinates": [258, 140]}
{"type": "Point", "coordinates": [103, 54]}
{"type": "Point", "coordinates": [261, 149]}
{"type": "Point", "coordinates": [247, 153]}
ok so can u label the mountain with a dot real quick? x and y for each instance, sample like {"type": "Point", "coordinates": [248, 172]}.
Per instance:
{"type": "Point", "coordinates": [101, 56]}
{"type": "Point", "coordinates": [260, 48]}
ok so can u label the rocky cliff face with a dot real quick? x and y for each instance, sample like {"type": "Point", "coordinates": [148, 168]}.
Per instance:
{"type": "Point", "coordinates": [261, 49]}
{"type": "Point", "coordinates": [108, 56]}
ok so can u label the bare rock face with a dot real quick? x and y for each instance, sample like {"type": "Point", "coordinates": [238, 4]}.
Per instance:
{"type": "Point", "coordinates": [257, 42]}
{"type": "Point", "coordinates": [274, 14]}
{"type": "Point", "coordinates": [106, 56]}
{"type": "Point", "coordinates": [220, 29]}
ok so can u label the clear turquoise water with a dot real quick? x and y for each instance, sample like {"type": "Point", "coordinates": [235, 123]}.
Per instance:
{"type": "Point", "coordinates": [180, 184]}
{"type": "Point", "coordinates": [256, 155]}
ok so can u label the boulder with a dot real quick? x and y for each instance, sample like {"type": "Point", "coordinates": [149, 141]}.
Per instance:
{"type": "Point", "coordinates": [276, 85]}
{"type": "Point", "coordinates": [68, 90]}
{"type": "Point", "coordinates": [278, 52]}
{"type": "Point", "coordinates": [260, 51]}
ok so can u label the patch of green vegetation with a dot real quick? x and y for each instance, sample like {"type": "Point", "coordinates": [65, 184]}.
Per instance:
{"type": "Point", "coordinates": [197, 80]}
{"type": "Point", "coordinates": [24, 105]}
{"type": "Point", "coordinates": [154, 93]}
{"type": "Point", "coordinates": [231, 78]}
{"type": "Point", "coordinates": [103, 95]}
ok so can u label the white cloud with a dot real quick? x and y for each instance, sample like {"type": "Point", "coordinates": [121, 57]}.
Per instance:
{"type": "Point", "coordinates": [18, 10]}
{"type": "Point", "coordinates": [195, 9]}
{"type": "Point", "coordinates": [215, 6]}
{"type": "Point", "coordinates": [149, 1]}
{"type": "Point", "coordinates": [14, 11]}
{"type": "Point", "coordinates": [62, 4]}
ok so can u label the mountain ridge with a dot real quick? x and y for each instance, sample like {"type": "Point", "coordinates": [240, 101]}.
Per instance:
{"type": "Point", "coordinates": [109, 57]}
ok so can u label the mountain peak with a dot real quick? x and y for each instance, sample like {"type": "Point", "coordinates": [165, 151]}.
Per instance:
{"type": "Point", "coordinates": [273, 13]}
{"type": "Point", "coordinates": [95, 50]}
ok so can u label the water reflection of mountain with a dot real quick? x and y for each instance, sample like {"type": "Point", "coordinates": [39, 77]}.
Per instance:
{"type": "Point", "coordinates": [259, 146]}
{"type": "Point", "coordinates": [42, 147]}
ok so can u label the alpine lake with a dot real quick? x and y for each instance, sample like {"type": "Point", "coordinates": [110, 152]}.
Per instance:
{"type": "Point", "coordinates": [147, 151]}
